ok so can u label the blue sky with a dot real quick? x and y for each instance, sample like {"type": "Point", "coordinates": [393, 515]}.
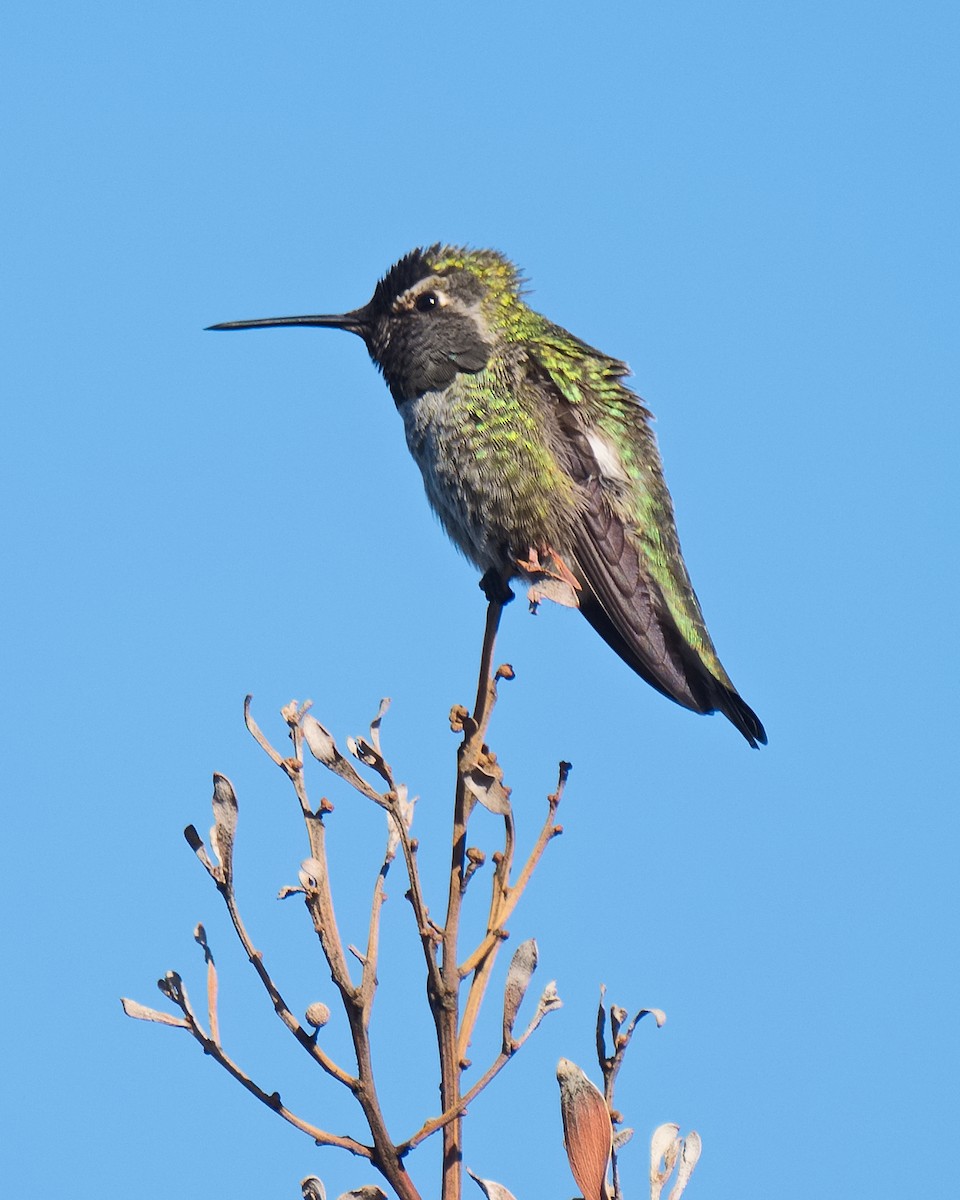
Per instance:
{"type": "Point", "coordinates": [755, 206]}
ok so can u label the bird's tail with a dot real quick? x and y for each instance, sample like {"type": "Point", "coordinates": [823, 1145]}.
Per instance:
{"type": "Point", "coordinates": [741, 715]}
{"type": "Point", "coordinates": [675, 669]}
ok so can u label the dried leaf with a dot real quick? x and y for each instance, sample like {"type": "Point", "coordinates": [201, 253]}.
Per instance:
{"type": "Point", "coordinates": [225, 808]}
{"type": "Point", "coordinates": [371, 757]}
{"type": "Point", "coordinates": [172, 987]}
{"type": "Point", "coordinates": [311, 873]}
{"type": "Point", "coordinates": [664, 1150]}
{"type": "Point", "coordinates": [140, 1012]}
{"type": "Point", "coordinates": [689, 1157]}
{"type": "Point", "coordinates": [491, 1189]}
{"type": "Point", "coordinates": [486, 787]}
{"type": "Point", "coordinates": [195, 842]}
{"type": "Point", "coordinates": [621, 1137]}
{"type": "Point", "coordinates": [376, 722]}
{"type": "Point", "coordinates": [602, 1025]}
{"type": "Point", "coordinates": [587, 1130]}
{"type": "Point", "coordinates": [225, 813]}
{"type": "Point", "coordinates": [663, 1138]}
{"type": "Point", "coordinates": [222, 845]}
{"type": "Point", "coordinates": [319, 741]}
{"type": "Point", "coordinates": [324, 749]}
{"type": "Point", "coordinates": [360, 748]}
{"type": "Point", "coordinates": [520, 972]}
{"type": "Point", "coordinates": [406, 816]}
{"type": "Point", "coordinates": [549, 1000]}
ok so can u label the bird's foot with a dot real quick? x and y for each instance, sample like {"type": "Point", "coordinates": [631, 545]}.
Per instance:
{"type": "Point", "coordinates": [495, 587]}
{"type": "Point", "coordinates": [547, 564]}
{"type": "Point", "coordinates": [550, 578]}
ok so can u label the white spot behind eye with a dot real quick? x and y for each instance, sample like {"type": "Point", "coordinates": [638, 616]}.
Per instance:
{"type": "Point", "coordinates": [608, 460]}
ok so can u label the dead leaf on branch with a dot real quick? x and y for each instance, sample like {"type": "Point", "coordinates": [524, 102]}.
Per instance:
{"type": "Point", "coordinates": [587, 1130]}
{"type": "Point", "coordinates": [491, 1189]}
{"type": "Point", "coordinates": [140, 1012]}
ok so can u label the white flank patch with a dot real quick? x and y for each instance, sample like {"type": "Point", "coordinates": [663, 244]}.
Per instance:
{"type": "Point", "coordinates": [608, 460]}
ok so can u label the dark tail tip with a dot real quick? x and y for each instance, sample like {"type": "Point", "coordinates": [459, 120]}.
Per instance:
{"type": "Point", "coordinates": [743, 717]}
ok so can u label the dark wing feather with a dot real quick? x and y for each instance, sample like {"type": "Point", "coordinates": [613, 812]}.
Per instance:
{"type": "Point", "coordinates": [620, 595]}
{"type": "Point", "coordinates": [627, 609]}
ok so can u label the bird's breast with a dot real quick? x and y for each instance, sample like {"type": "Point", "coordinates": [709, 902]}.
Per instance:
{"type": "Point", "coordinates": [487, 473]}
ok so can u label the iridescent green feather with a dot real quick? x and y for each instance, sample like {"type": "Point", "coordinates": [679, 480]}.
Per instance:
{"type": "Point", "coordinates": [591, 381]}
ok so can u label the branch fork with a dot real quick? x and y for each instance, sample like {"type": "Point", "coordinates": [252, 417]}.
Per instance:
{"type": "Point", "coordinates": [479, 780]}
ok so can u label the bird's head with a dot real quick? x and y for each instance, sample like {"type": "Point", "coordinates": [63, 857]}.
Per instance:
{"type": "Point", "coordinates": [436, 313]}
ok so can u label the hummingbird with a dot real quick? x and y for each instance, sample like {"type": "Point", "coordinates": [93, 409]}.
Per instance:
{"type": "Point", "coordinates": [539, 461]}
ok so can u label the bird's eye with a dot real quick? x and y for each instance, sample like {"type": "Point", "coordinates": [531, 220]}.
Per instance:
{"type": "Point", "coordinates": [426, 302]}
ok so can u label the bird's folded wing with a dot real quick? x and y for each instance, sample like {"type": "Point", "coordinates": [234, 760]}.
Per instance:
{"type": "Point", "coordinates": [634, 586]}
{"type": "Point", "coordinates": [627, 608]}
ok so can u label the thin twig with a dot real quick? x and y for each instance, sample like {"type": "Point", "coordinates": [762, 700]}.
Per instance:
{"type": "Point", "coordinates": [356, 1001]}
{"type": "Point", "coordinates": [610, 1064]}
{"type": "Point", "coordinates": [172, 987]}
{"type": "Point", "coordinates": [495, 935]}
{"type": "Point", "coordinates": [510, 896]}
{"type": "Point", "coordinates": [254, 729]}
{"type": "Point", "coordinates": [548, 1001]}
{"type": "Point", "coordinates": [223, 878]}
{"type": "Point", "coordinates": [282, 1009]}
{"type": "Point", "coordinates": [439, 943]}
{"type": "Point", "coordinates": [425, 927]}
{"type": "Point", "coordinates": [483, 708]}
{"type": "Point", "coordinates": [445, 1118]}
{"type": "Point", "coordinates": [503, 901]}
{"type": "Point", "coordinates": [368, 981]}
{"type": "Point", "coordinates": [273, 1102]}
{"type": "Point", "coordinates": [445, 1004]}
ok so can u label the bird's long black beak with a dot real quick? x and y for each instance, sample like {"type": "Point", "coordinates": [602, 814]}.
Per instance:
{"type": "Point", "coordinates": [354, 322]}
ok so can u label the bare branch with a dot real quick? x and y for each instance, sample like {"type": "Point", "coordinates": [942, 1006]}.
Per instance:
{"type": "Point", "coordinates": [507, 897]}
{"type": "Point", "coordinates": [479, 778]}
{"type": "Point", "coordinates": [549, 1001]}
{"type": "Point", "coordinates": [368, 981]}
{"type": "Point", "coordinates": [172, 987]}
{"type": "Point", "coordinates": [254, 729]}
{"type": "Point", "coordinates": [503, 901]}
{"type": "Point", "coordinates": [610, 1065]}
{"type": "Point", "coordinates": [280, 1006]}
